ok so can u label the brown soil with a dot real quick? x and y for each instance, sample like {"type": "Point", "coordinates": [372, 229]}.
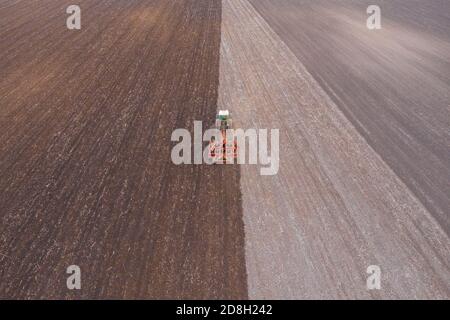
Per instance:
{"type": "Point", "coordinates": [86, 176]}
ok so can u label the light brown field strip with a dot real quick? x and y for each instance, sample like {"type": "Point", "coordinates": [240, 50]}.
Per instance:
{"type": "Point", "coordinates": [335, 207]}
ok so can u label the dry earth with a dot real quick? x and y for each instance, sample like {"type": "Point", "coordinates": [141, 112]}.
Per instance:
{"type": "Point", "coordinates": [335, 206]}
{"type": "Point", "coordinates": [393, 84]}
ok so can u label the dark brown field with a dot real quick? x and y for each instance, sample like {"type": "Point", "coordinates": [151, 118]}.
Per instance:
{"type": "Point", "coordinates": [86, 177]}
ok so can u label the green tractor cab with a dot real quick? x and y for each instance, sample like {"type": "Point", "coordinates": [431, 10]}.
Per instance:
{"type": "Point", "coordinates": [223, 120]}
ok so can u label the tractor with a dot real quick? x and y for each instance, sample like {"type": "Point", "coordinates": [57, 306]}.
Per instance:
{"type": "Point", "coordinates": [224, 151]}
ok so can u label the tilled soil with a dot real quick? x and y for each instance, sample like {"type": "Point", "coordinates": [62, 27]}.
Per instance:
{"type": "Point", "coordinates": [86, 176]}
